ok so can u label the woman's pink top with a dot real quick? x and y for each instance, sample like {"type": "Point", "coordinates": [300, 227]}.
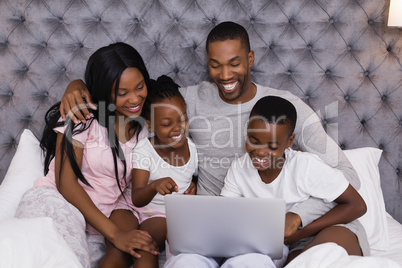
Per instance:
{"type": "Point", "coordinates": [98, 168]}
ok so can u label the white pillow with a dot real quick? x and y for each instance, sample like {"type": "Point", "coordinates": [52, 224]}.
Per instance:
{"type": "Point", "coordinates": [365, 162]}
{"type": "Point", "coordinates": [25, 167]}
{"type": "Point", "coordinates": [34, 242]}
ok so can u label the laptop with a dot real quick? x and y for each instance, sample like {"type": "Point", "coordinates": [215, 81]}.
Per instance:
{"type": "Point", "coordinates": [217, 226]}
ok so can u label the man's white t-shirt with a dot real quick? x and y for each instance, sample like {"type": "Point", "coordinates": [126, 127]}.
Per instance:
{"type": "Point", "coordinates": [303, 175]}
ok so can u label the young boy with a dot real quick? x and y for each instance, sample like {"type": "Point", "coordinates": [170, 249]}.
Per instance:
{"type": "Point", "coordinates": [271, 169]}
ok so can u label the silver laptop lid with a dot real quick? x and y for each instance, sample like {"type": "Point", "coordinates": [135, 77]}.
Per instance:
{"type": "Point", "coordinates": [225, 226]}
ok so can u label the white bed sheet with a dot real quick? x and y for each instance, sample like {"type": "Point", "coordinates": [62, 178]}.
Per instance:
{"type": "Point", "coordinates": [395, 248]}
{"type": "Point", "coordinates": [334, 256]}
{"type": "Point", "coordinates": [36, 243]}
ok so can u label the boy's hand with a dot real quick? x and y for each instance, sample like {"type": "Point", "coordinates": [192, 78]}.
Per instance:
{"type": "Point", "coordinates": [294, 237]}
{"type": "Point", "coordinates": [72, 102]}
{"type": "Point", "coordinates": [192, 189]}
{"type": "Point", "coordinates": [292, 224]}
{"type": "Point", "coordinates": [165, 186]}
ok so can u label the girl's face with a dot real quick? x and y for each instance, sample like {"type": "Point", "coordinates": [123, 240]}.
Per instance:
{"type": "Point", "coordinates": [266, 144]}
{"type": "Point", "coordinates": [169, 122]}
{"type": "Point", "coordinates": [131, 94]}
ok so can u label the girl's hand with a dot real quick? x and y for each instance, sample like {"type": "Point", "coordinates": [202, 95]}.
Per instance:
{"type": "Point", "coordinates": [192, 189]}
{"type": "Point", "coordinates": [292, 223]}
{"type": "Point", "coordinates": [135, 239]}
{"type": "Point", "coordinates": [165, 186]}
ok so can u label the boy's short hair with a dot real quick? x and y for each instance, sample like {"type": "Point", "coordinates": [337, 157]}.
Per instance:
{"type": "Point", "coordinates": [275, 110]}
{"type": "Point", "coordinates": [229, 30]}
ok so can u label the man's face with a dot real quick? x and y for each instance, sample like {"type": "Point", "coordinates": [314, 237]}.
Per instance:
{"type": "Point", "coordinates": [229, 66]}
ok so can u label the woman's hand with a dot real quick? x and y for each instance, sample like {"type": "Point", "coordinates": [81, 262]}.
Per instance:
{"type": "Point", "coordinates": [73, 104]}
{"type": "Point", "coordinates": [135, 239]}
{"type": "Point", "coordinates": [165, 186]}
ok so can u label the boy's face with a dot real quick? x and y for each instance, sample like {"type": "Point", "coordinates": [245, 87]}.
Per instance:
{"type": "Point", "coordinates": [266, 143]}
{"type": "Point", "coordinates": [229, 66]}
{"type": "Point", "coordinates": [169, 122]}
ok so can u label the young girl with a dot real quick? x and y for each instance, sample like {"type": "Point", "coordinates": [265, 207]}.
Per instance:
{"type": "Point", "coordinates": [163, 164]}
{"type": "Point", "coordinates": [86, 164]}
{"type": "Point", "coordinates": [270, 169]}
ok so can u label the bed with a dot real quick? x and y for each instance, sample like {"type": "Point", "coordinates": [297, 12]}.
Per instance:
{"type": "Point", "coordinates": [41, 245]}
{"type": "Point", "coordinates": [338, 56]}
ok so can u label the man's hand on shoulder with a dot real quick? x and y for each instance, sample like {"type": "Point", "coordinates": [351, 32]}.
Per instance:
{"type": "Point", "coordinates": [74, 102]}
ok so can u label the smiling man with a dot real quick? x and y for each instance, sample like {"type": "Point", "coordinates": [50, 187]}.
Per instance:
{"type": "Point", "coordinates": [219, 111]}
{"type": "Point", "coordinates": [229, 65]}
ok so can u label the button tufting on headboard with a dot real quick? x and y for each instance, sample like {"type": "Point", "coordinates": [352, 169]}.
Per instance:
{"type": "Point", "coordinates": [325, 52]}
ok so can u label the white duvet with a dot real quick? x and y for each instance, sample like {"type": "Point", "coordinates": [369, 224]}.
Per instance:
{"type": "Point", "coordinates": [34, 243]}
{"type": "Point", "coordinates": [334, 256]}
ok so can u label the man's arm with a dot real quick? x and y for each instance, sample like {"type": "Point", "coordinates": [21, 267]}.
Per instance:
{"type": "Point", "coordinates": [73, 104]}
{"type": "Point", "coordinates": [311, 137]}
{"type": "Point", "coordinates": [309, 210]}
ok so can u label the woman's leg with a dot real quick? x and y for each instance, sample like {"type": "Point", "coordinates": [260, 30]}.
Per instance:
{"type": "Point", "coordinates": [114, 257]}
{"type": "Point", "coordinates": [156, 227]}
{"type": "Point", "coordinates": [69, 222]}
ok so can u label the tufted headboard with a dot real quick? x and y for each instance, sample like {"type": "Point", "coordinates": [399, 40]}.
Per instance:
{"type": "Point", "coordinates": [338, 56]}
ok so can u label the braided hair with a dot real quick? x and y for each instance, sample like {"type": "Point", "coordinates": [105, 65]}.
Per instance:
{"type": "Point", "coordinates": [162, 88]}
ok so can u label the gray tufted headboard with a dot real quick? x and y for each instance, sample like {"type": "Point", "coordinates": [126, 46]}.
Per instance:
{"type": "Point", "coordinates": [330, 53]}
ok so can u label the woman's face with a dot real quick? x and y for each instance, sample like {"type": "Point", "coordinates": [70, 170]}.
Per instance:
{"type": "Point", "coordinates": [131, 94]}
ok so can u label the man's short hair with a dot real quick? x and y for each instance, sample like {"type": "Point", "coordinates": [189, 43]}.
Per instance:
{"type": "Point", "coordinates": [229, 30]}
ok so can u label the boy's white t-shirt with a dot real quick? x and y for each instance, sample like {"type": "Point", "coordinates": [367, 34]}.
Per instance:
{"type": "Point", "coordinates": [303, 175]}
